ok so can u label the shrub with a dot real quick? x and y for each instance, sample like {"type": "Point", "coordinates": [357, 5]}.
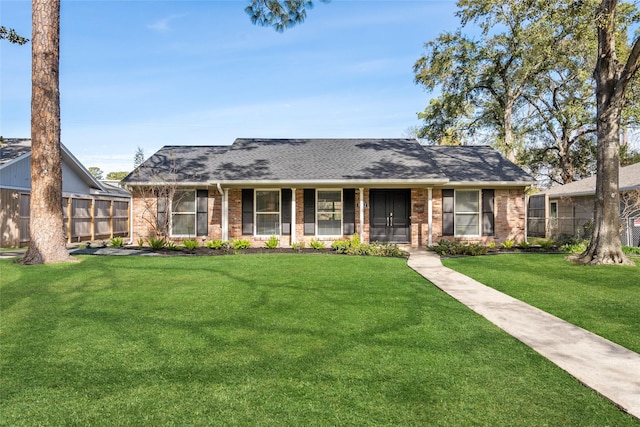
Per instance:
{"type": "Point", "coordinates": [525, 245]}
{"type": "Point", "coordinates": [354, 246]}
{"type": "Point", "coordinates": [448, 248]}
{"type": "Point", "coordinates": [215, 244]}
{"type": "Point", "coordinates": [508, 244]}
{"type": "Point", "coordinates": [341, 246]}
{"type": "Point", "coordinates": [238, 244]}
{"type": "Point", "coordinates": [317, 244]}
{"type": "Point", "coordinates": [190, 244]}
{"type": "Point", "coordinates": [172, 246]}
{"type": "Point", "coordinates": [141, 242]}
{"type": "Point", "coordinates": [157, 243]}
{"type": "Point", "coordinates": [492, 245]}
{"type": "Point", "coordinates": [631, 250]}
{"type": "Point", "coordinates": [117, 242]}
{"type": "Point", "coordinates": [297, 246]}
{"type": "Point", "coordinates": [271, 243]}
{"type": "Point", "coordinates": [546, 244]}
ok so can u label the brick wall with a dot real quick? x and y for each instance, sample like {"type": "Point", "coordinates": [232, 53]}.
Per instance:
{"type": "Point", "coordinates": [509, 217]}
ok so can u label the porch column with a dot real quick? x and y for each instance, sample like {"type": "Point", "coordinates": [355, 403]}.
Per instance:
{"type": "Point", "coordinates": [225, 215]}
{"type": "Point", "coordinates": [361, 209]}
{"type": "Point", "coordinates": [430, 215]}
{"type": "Point", "coordinates": [293, 216]}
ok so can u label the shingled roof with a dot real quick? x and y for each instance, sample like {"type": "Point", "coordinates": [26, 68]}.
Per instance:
{"type": "Point", "coordinates": [628, 179]}
{"type": "Point", "coordinates": [330, 161]}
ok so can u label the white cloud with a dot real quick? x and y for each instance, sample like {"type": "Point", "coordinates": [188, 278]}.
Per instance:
{"type": "Point", "coordinates": [163, 25]}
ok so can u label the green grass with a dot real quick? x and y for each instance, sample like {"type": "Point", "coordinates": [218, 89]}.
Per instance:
{"type": "Point", "coordinates": [308, 340]}
{"type": "Point", "coordinates": [601, 299]}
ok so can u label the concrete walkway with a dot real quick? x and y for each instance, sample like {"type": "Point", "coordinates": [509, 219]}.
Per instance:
{"type": "Point", "coordinates": [600, 364]}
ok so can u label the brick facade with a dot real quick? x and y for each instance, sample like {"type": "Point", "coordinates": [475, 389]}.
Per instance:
{"type": "Point", "coordinates": [509, 217]}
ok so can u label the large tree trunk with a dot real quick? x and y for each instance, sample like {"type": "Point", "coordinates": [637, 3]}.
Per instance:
{"type": "Point", "coordinates": [605, 246]}
{"type": "Point", "coordinates": [510, 150]}
{"type": "Point", "coordinates": [46, 220]}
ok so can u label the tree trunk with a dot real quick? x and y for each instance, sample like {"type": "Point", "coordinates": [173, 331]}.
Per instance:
{"type": "Point", "coordinates": [605, 246]}
{"type": "Point", "coordinates": [47, 243]}
{"type": "Point", "coordinates": [510, 151]}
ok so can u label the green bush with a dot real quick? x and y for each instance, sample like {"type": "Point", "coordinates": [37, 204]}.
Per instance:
{"type": "Point", "coordinates": [172, 246]}
{"type": "Point", "coordinates": [317, 244]}
{"type": "Point", "coordinates": [525, 245]}
{"type": "Point", "coordinates": [141, 242]}
{"type": "Point", "coordinates": [117, 242]}
{"type": "Point", "coordinates": [354, 246]}
{"type": "Point", "coordinates": [271, 243]}
{"type": "Point", "coordinates": [508, 244]}
{"type": "Point", "coordinates": [238, 244]}
{"type": "Point", "coordinates": [297, 246]}
{"type": "Point", "coordinates": [215, 244]}
{"type": "Point", "coordinates": [631, 250]}
{"type": "Point", "coordinates": [447, 248]}
{"type": "Point", "coordinates": [190, 244]}
{"type": "Point", "coordinates": [157, 243]}
{"type": "Point", "coordinates": [547, 244]}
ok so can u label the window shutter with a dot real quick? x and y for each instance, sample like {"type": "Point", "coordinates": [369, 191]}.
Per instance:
{"type": "Point", "coordinates": [161, 216]}
{"type": "Point", "coordinates": [349, 211]}
{"type": "Point", "coordinates": [286, 211]}
{"type": "Point", "coordinates": [487, 213]}
{"type": "Point", "coordinates": [247, 211]}
{"type": "Point", "coordinates": [202, 225]}
{"type": "Point", "coordinates": [448, 213]}
{"type": "Point", "coordinates": [309, 212]}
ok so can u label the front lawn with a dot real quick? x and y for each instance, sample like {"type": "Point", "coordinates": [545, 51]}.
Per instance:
{"type": "Point", "coordinates": [265, 340]}
{"type": "Point", "coordinates": [601, 299]}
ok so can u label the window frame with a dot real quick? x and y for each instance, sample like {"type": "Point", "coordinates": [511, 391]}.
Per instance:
{"type": "Point", "coordinates": [477, 213]}
{"type": "Point", "coordinates": [256, 213]}
{"type": "Point", "coordinates": [194, 213]}
{"type": "Point", "coordinates": [340, 211]}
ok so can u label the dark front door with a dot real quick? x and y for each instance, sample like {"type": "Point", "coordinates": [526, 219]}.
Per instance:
{"type": "Point", "coordinates": [389, 211]}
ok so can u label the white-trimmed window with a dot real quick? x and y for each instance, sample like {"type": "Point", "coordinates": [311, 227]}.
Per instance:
{"type": "Point", "coordinates": [183, 213]}
{"type": "Point", "coordinates": [267, 212]}
{"type": "Point", "coordinates": [467, 213]}
{"type": "Point", "coordinates": [329, 212]}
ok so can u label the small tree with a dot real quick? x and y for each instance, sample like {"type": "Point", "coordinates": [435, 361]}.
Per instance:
{"type": "Point", "coordinates": [117, 176]}
{"type": "Point", "coordinates": [96, 172]}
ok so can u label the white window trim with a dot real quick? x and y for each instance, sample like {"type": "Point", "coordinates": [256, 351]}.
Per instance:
{"type": "Point", "coordinates": [478, 213]}
{"type": "Point", "coordinates": [255, 212]}
{"type": "Point", "coordinates": [194, 213]}
{"type": "Point", "coordinates": [341, 212]}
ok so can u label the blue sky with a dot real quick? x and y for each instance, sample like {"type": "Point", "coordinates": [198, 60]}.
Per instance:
{"type": "Point", "coordinates": [154, 73]}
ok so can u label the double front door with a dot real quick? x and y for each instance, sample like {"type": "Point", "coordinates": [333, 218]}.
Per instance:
{"type": "Point", "coordinates": [390, 216]}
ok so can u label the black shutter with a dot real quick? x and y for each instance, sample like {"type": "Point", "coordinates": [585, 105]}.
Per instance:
{"type": "Point", "coordinates": [286, 211]}
{"type": "Point", "coordinates": [309, 212]}
{"type": "Point", "coordinates": [349, 211]}
{"type": "Point", "coordinates": [487, 213]}
{"type": "Point", "coordinates": [202, 225]}
{"type": "Point", "coordinates": [161, 217]}
{"type": "Point", "coordinates": [247, 211]}
{"type": "Point", "coordinates": [448, 213]}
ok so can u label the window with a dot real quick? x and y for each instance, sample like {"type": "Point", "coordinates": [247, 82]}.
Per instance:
{"type": "Point", "coordinates": [267, 212]}
{"type": "Point", "coordinates": [553, 210]}
{"type": "Point", "coordinates": [183, 213]}
{"type": "Point", "coordinates": [467, 213]}
{"type": "Point", "coordinates": [329, 211]}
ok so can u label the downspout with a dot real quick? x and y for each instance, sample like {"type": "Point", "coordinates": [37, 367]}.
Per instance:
{"type": "Point", "coordinates": [430, 215]}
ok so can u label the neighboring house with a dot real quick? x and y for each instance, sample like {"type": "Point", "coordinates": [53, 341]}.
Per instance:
{"type": "Point", "coordinates": [385, 190]}
{"type": "Point", "coordinates": [92, 210]}
{"type": "Point", "coordinates": [569, 209]}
